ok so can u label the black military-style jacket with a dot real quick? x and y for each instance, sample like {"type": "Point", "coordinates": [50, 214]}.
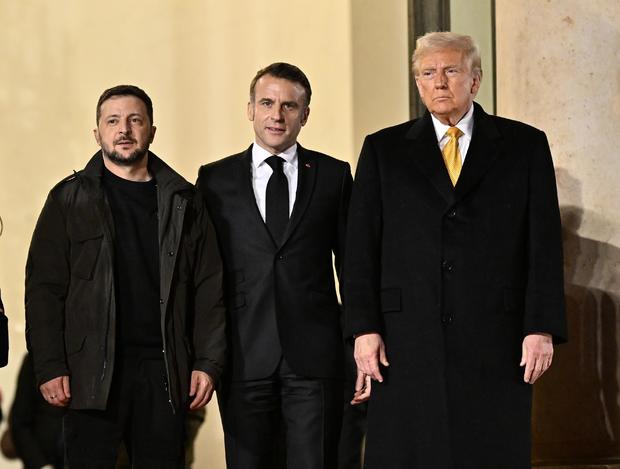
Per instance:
{"type": "Point", "coordinates": [70, 296]}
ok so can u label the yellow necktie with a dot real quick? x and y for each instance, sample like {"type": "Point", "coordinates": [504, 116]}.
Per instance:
{"type": "Point", "coordinates": [451, 154]}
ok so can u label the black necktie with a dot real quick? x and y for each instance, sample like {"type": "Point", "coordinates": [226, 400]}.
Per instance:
{"type": "Point", "coordinates": [276, 214]}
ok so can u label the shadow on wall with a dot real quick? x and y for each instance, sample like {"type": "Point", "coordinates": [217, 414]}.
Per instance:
{"type": "Point", "coordinates": [576, 412]}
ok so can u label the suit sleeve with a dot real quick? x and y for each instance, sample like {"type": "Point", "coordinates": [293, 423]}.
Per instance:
{"type": "Point", "coordinates": [47, 282]}
{"type": "Point", "coordinates": [209, 315]}
{"type": "Point", "coordinates": [362, 268]}
{"type": "Point", "coordinates": [544, 301]}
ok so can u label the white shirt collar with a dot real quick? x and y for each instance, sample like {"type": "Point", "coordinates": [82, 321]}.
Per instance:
{"type": "Point", "coordinates": [259, 155]}
{"type": "Point", "coordinates": [466, 125]}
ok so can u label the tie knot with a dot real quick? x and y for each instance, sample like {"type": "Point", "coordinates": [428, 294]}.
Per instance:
{"type": "Point", "coordinates": [454, 132]}
{"type": "Point", "coordinates": [275, 162]}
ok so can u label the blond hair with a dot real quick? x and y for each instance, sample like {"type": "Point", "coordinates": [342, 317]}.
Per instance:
{"type": "Point", "coordinates": [446, 40]}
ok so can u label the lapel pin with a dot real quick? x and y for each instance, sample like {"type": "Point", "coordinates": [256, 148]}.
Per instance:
{"type": "Point", "coordinates": [307, 165]}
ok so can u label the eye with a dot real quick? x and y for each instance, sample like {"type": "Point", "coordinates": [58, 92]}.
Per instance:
{"type": "Point", "coordinates": [136, 120]}
{"type": "Point", "coordinates": [452, 71]}
{"type": "Point", "coordinates": [266, 104]}
{"type": "Point", "coordinates": [112, 121]}
{"type": "Point", "coordinates": [428, 73]}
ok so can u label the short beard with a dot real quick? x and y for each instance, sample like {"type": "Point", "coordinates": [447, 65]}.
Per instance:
{"type": "Point", "coordinates": [133, 158]}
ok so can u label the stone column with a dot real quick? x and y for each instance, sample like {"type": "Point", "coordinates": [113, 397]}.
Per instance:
{"type": "Point", "coordinates": [558, 68]}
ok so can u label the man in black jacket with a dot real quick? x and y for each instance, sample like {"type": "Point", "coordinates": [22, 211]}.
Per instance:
{"type": "Point", "coordinates": [123, 296]}
{"type": "Point", "coordinates": [280, 212]}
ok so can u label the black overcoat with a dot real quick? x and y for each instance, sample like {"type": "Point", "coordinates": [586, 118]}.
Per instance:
{"type": "Point", "coordinates": [453, 279]}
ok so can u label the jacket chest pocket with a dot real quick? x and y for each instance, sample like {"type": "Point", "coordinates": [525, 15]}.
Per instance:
{"type": "Point", "coordinates": [85, 248]}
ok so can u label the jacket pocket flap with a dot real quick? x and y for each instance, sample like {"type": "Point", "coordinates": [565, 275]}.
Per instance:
{"type": "Point", "coordinates": [79, 232]}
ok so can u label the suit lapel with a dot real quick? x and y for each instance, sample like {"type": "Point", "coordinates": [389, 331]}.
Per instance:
{"type": "Point", "coordinates": [306, 176]}
{"type": "Point", "coordinates": [427, 156]}
{"type": "Point", "coordinates": [247, 193]}
{"type": "Point", "coordinates": [482, 153]}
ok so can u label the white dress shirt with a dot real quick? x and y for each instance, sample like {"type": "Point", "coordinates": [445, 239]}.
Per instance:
{"type": "Point", "coordinates": [465, 125]}
{"type": "Point", "coordinates": [261, 172]}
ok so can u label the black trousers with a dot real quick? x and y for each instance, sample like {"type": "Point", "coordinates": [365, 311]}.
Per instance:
{"type": "Point", "coordinates": [138, 413]}
{"type": "Point", "coordinates": [285, 420]}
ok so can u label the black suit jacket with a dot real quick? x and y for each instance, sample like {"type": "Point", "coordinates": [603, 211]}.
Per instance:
{"type": "Point", "coordinates": [453, 278]}
{"type": "Point", "coordinates": [281, 299]}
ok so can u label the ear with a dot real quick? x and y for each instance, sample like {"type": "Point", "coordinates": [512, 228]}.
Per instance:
{"type": "Point", "coordinates": [96, 134]}
{"type": "Point", "coordinates": [250, 111]}
{"type": "Point", "coordinates": [304, 117]}
{"type": "Point", "coordinates": [475, 85]}
{"type": "Point", "coordinates": [153, 130]}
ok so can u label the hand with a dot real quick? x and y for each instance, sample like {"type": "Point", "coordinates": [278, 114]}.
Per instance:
{"type": "Point", "coordinates": [362, 388]}
{"type": "Point", "coordinates": [536, 356]}
{"type": "Point", "coordinates": [57, 391]}
{"type": "Point", "coordinates": [201, 387]}
{"type": "Point", "coordinates": [369, 352]}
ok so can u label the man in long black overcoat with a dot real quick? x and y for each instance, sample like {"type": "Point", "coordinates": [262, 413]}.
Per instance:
{"type": "Point", "coordinates": [453, 275]}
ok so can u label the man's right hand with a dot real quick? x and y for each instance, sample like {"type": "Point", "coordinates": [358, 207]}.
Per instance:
{"type": "Point", "coordinates": [56, 391]}
{"type": "Point", "coordinates": [369, 352]}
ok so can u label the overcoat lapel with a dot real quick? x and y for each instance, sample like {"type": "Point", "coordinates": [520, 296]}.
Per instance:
{"type": "Point", "coordinates": [427, 156]}
{"type": "Point", "coordinates": [483, 150]}
{"type": "Point", "coordinates": [247, 194]}
{"type": "Point", "coordinates": [306, 177]}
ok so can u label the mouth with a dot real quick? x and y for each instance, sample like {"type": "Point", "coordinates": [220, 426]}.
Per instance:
{"type": "Point", "coordinates": [125, 142]}
{"type": "Point", "coordinates": [275, 130]}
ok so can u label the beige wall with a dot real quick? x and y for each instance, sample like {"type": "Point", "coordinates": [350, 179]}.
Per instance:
{"type": "Point", "coordinates": [195, 59]}
{"type": "Point", "coordinates": [558, 67]}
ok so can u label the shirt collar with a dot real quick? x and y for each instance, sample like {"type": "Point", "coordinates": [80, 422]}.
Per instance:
{"type": "Point", "coordinates": [259, 155]}
{"type": "Point", "coordinates": [466, 124]}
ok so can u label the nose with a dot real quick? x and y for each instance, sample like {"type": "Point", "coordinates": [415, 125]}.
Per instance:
{"type": "Point", "coordinates": [124, 127]}
{"type": "Point", "coordinates": [441, 80]}
{"type": "Point", "coordinates": [276, 113]}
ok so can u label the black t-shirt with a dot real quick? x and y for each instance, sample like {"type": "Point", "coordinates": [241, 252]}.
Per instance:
{"type": "Point", "coordinates": [136, 259]}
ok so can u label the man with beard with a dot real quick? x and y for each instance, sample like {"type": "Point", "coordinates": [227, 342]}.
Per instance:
{"type": "Point", "coordinates": [123, 297]}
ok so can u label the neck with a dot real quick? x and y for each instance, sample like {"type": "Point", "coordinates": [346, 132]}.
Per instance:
{"type": "Point", "coordinates": [137, 172]}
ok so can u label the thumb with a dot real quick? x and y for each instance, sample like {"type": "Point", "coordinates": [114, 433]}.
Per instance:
{"type": "Point", "coordinates": [523, 355]}
{"type": "Point", "coordinates": [65, 386]}
{"type": "Point", "coordinates": [382, 355]}
{"type": "Point", "coordinates": [192, 385]}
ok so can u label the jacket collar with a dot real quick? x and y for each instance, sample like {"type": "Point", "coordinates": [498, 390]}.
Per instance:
{"type": "Point", "coordinates": [168, 180]}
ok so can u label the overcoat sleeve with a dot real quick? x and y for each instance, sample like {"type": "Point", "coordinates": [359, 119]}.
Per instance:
{"type": "Point", "coordinates": [47, 282]}
{"type": "Point", "coordinates": [544, 296]}
{"type": "Point", "coordinates": [209, 316]}
{"type": "Point", "coordinates": [363, 248]}
{"type": "Point", "coordinates": [345, 197]}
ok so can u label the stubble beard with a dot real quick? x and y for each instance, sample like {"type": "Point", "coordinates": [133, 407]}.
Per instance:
{"type": "Point", "coordinates": [130, 160]}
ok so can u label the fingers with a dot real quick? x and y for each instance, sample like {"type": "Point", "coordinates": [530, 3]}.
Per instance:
{"type": "Point", "coordinates": [56, 391]}
{"type": "Point", "coordinates": [201, 388]}
{"type": "Point", "coordinates": [537, 356]}
{"type": "Point", "coordinates": [363, 394]}
{"type": "Point", "coordinates": [360, 380]}
{"type": "Point", "coordinates": [368, 354]}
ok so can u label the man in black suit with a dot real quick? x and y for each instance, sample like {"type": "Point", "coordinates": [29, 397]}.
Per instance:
{"type": "Point", "coordinates": [453, 273]}
{"type": "Point", "coordinates": [280, 213]}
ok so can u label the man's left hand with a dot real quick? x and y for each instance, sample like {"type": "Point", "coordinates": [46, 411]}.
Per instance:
{"type": "Point", "coordinates": [201, 388]}
{"type": "Point", "coordinates": [537, 354]}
